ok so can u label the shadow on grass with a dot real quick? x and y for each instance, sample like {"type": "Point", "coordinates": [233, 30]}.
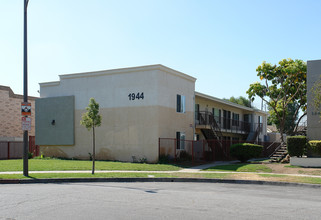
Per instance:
{"type": "Point", "coordinates": [31, 177]}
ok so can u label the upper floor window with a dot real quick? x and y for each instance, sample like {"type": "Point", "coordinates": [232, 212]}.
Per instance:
{"type": "Point", "coordinates": [236, 118]}
{"type": "Point", "coordinates": [180, 100]}
{"type": "Point", "coordinates": [217, 114]}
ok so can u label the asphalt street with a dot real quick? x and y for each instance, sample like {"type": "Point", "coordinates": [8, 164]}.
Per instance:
{"type": "Point", "coordinates": [156, 200]}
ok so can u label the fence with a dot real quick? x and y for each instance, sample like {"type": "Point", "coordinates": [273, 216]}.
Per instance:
{"type": "Point", "coordinates": [205, 150]}
{"type": "Point", "coordinates": [14, 149]}
{"type": "Point", "coordinates": [11, 149]}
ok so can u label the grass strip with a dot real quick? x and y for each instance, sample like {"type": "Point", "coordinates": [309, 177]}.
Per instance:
{"type": "Point", "coordinates": [58, 164]}
{"type": "Point", "coordinates": [228, 176]}
{"type": "Point", "coordinates": [241, 167]}
{"type": "Point", "coordinates": [112, 175]}
{"type": "Point", "coordinates": [293, 179]}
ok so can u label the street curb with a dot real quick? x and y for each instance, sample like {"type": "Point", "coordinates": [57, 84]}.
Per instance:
{"type": "Point", "coordinates": [123, 180]}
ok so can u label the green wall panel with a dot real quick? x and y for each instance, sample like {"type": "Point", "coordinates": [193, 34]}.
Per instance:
{"type": "Point", "coordinates": [55, 121]}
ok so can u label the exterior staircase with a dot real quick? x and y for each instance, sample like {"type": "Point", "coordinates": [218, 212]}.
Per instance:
{"type": "Point", "coordinates": [253, 135]}
{"type": "Point", "coordinates": [279, 153]}
{"type": "Point", "coordinates": [213, 132]}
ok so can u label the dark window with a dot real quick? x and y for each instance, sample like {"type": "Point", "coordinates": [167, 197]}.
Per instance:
{"type": "Point", "coordinates": [197, 110]}
{"type": "Point", "coordinates": [236, 119]}
{"type": "Point", "coordinates": [226, 119]}
{"type": "Point", "coordinates": [180, 103]}
{"type": "Point", "coordinates": [180, 140]}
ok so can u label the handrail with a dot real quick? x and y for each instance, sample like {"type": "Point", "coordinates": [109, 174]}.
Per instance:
{"type": "Point", "coordinates": [227, 124]}
{"type": "Point", "coordinates": [276, 149]}
{"type": "Point", "coordinates": [271, 144]}
{"type": "Point", "coordinates": [210, 120]}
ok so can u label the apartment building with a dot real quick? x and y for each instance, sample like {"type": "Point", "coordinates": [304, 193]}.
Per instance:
{"type": "Point", "coordinates": [139, 105]}
{"type": "Point", "coordinates": [313, 114]}
{"type": "Point", "coordinates": [217, 118]}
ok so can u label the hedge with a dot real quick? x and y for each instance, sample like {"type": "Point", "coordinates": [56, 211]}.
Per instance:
{"type": "Point", "coordinates": [296, 145]}
{"type": "Point", "coordinates": [314, 149]}
{"type": "Point", "coordinates": [245, 151]}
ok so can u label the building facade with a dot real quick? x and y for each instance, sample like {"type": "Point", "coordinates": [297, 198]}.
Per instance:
{"type": "Point", "coordinates": [228, 120]}
{"type": "Point", "coordinates": [10, 117]}
{"type": "Point", "coordinates": [313, 114]}
{"type": "Point", "coordinates": [138, 105]}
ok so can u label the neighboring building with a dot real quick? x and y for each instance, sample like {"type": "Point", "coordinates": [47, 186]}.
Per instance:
{"type": "Point", "coordinates": [138, 105]}
{"type": "Point", "coordinates": [313, 115]}
{"type": "Point", "coordinates": [10, 117]}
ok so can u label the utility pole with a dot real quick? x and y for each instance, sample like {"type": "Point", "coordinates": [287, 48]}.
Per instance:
{"type": "Point", "coordinates": [25, 89]}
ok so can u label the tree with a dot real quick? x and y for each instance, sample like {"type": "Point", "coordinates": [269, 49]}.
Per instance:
{"type": "Point", "coordinates": [240, 100]}
{"type": "Point", "coordinates": [90, 120]}
{"type": "Point", "coordinates": [290, 125]}
{"type": "Point", "coordinates": [282, 85]}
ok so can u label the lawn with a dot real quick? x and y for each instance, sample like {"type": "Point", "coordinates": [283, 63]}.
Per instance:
{"type": "Point", "coordinates": [241, 167]}
{"type": "Point", "coordinates": [115, 175]}
{"type": "Point", "coordinates": [59, 164]}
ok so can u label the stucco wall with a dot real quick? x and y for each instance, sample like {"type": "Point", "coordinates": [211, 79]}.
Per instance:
{"type": "Point", "coordinates": [10, 117]}
{"type": "Point", "coordinates": [313, 115]}
{"type": "Point", "coordinates": [129, 127]}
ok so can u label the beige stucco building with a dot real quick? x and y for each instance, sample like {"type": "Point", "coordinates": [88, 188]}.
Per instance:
{"type": "Point", "coordinates": [313, 114]}
{"type": "Point", "coordinates": [138, 105]}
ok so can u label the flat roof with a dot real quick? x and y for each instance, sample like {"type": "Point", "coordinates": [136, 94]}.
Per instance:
{"type": "Point", "coordinates": [120, 71]}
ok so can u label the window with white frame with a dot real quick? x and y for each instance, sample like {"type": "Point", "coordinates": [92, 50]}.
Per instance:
{"type": "Point", "coordinates": [180, 106]}
{"type": "Point", "coordinates": [180, 140]}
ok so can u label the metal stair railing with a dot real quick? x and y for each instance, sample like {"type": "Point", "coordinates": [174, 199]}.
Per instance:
{"type": "Point", "coordinates": [257, 131]}
{"type": "Point", "coordinates": [215, 128]}
{"type": "Point", "coordinates": [276, 149]}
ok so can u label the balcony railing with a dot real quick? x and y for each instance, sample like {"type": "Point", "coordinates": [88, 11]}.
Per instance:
{"type": "Point", "coordinates": [226, 124]}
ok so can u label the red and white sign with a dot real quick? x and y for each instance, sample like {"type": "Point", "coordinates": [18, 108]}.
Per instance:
{"type": "Point", "coordinates": [25, 109]}
{"type": "Point", "coordinates": [26, 123]}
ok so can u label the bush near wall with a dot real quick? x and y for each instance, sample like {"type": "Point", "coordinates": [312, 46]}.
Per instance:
{"type": "Point", "coordinates": [245, 151]}
{"type": "Point", "coordinates": [296, 145]}
{"type": "Point", "coordinates": [314, 149]}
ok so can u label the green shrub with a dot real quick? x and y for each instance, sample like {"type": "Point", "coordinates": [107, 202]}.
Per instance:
{"type": "Point", "coordinates": [184, 156]}
{"type": "Point", "coordinates": [314, 149]}
{"type": "Point", "coordinates": [164, 159]}
{"type": "Point", "coordinates": [296, 145]}
{"type": "Point", "coordinates": [30, 155]}
{"type": "Point", "coordinates": [245, 151]}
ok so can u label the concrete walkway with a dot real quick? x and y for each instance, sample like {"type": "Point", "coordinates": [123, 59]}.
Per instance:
{"type": "Point", "coordinates": [205, 166]}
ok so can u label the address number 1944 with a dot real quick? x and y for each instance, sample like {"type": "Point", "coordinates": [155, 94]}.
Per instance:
{"type": "Point", "coordinates": [133, 96]}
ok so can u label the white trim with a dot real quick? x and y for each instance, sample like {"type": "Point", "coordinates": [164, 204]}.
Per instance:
{"type": "Point", "coordinates": [45, 84]}
{"type": "Point", "coordinates": [128, 70]}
